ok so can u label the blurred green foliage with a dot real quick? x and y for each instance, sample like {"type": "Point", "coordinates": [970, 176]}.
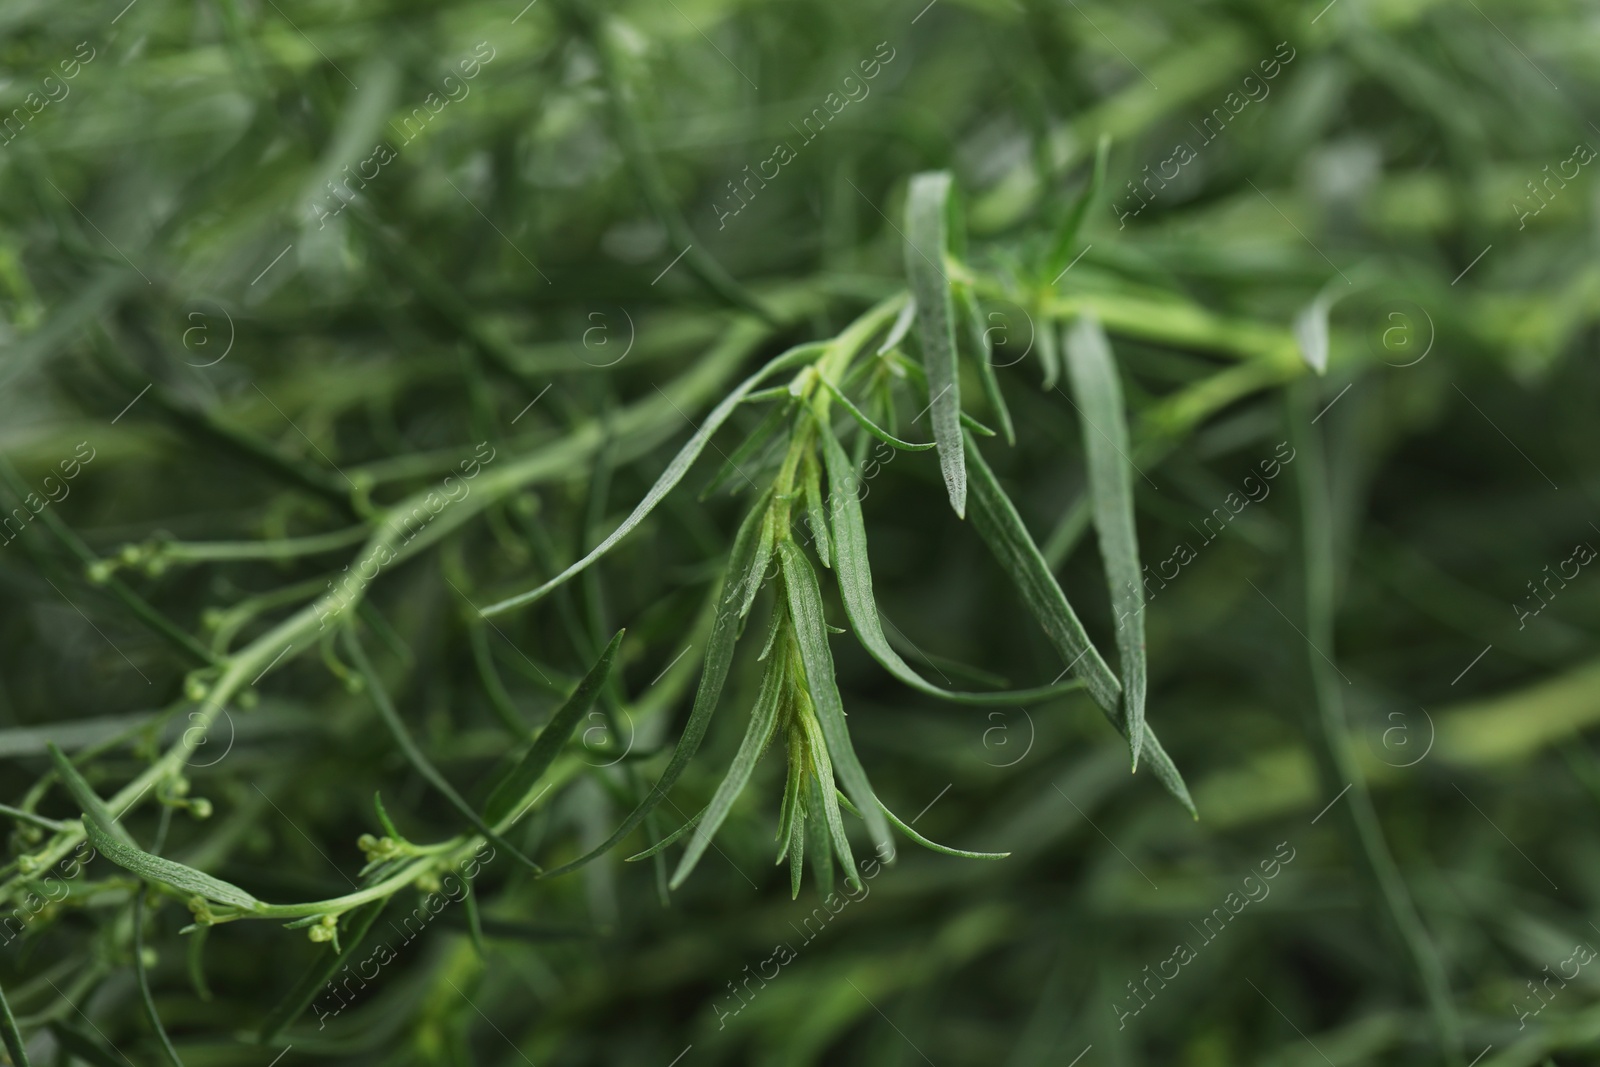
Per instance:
{"type": "Point", "coordinates": [267, 270]}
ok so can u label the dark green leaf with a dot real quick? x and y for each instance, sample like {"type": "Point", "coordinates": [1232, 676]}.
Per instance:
{"type": "Point", "coordinates": [157, 869]}
{"type": "Point", "coordinates": [873, 428]}
{"type": "Point", "coordinates": [87, 799]}
{"type": "Point", "coordinates": [513, 794]}
{"type": "Point", "coordinates": [983, 356]}
{"type": "Point", "coordinates": [11, 1035]}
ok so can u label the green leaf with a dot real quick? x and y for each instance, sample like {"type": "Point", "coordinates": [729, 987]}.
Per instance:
{"type": "Point", "coordinates": [933, 846]}
{"type": "Point", "coordinates": [823, 833]}
{"type": "Point", "coordinates": [927, 238]}
{"type": "Point", "coordinates": [143, 979]}
{"type": "Point", "coordinates": [514, 793]}
{"type": "Point", "coordinates": [86, 798]}
{"type": "Point", "coordinates": [321, 971]}
{"type": "Point", "coordinates": [11, 1035]}
{"type": "Point", "coordinates": [745, 454]}
{"type": "Point", "coordinates": [873, 428]}
{"type": "Point", "coordinates": [402, 736]}
{"type": "Point", "coordinates": [669, 478]}
{"type": "Point", "coordinates": [763, 719]}
{"type": "Point", "coordinates": [1093, 373]}
{"type": "Point", "coordinates": [983, 356]}
{"type": "Point", "coordinates": [661, 845]}
{"type": "Point", "coordinates": [815, 516]}
{"type": "Point", "coordinates": [811, 635]}
{"type": "Point", "coordinates": [713, 675]}
{"type": "Point", "coordinates": [1072, 223]}
{"type": "Point", "coordinates": [1001, 528]}
{"type": "Point", "coordinates": [177, 875]}
{"type": "Point", "coordinates": [855, 589]}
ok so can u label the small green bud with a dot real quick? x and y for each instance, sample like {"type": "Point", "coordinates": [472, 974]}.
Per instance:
{"type": "Point", "coordinates": [99, 572]}
{"type": "Point", "coordinates": [200, 808]}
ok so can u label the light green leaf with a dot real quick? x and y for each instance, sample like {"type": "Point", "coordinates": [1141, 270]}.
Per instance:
{"type": "Point", "coordinates": [1093, 373]}
{"type": "Point", "coordinates": [927, 238]}
{"type": "Point", "coordinates": [669, 478]}
{"type": "Point", "coordinates": [516, 791]}
{"type": "Point", "coordinates": [854, 572]}
{"type": "Point", "coordinates": [811, 635]}
{"type": "Point", "coordinates": [1001, 528]}
{"type": "Point", "coordinates": [763, 718]}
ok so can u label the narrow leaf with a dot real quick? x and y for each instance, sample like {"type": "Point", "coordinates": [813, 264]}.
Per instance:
{"type": "Point", "coordinates": [1311, 332]}
{"type": "Point", "coordinates": [661, 845]}
{"type": "Point", "coordinates": [855, 589]}
{"type": "Point", "coordinates": [424, 766]}
{"type": "Point", "coordinates": [926, 843]}
{"type": "Point", "coordinates": [821, 834]}
{"type": "Point", "coordinates": [143, 978]}
{"type": "Point", "coordinates": [86, 798]}
{"type": "Point", "coordinates": [745, 454]}
{"type": "Point", "coordinates": [513, 794]}
{"type": "Point", "coordinates": [814, 514]}
{"type": "Point", "coordinates": [713, 675]}
{"type": "Point", "coordinates": [1072, 222]}
{"type": "Point", "coordinates": [11, 1035]}
{"type": "Point", "coordinates": [983, 356]}
{"type": "Point", "coordinates": [1093, 373]}
{"type": "Point", "coordinates": [156, 869]}
{"type": "Point", "coordinates": [927, 238]}
{"type": "Point", "coordinates": [1001, 528]}
{"type": "Point", "coordinates": [763, 718]}
{"type": "Point", "coordinates": [901, 327]}
{"type": "Point", "coordinates": [669, 478]}
{"type": "Point", "coordinates": [811, 635]}
{"type": "Point", "coordinates": [873, 428]}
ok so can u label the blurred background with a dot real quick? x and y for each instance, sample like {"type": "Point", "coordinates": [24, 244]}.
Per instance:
{"type": "Point", "coordinates": [265, 263]}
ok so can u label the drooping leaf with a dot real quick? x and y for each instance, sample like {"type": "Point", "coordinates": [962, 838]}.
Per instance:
{"type": "Point", "coordinates": [713, 675]}
{"type": "Point", "coordinates": [822, 832]}
{"type": "Point", "coordinates": [763, 718]}
{"type": "Point", "coordinates": [516, 791]}
{"type": "Point", "coordinates": [927, 238]}
{"type": "Point", "coordinates": [1001, 529]}
{"type": "Point", "coordinates": [1093, 374]}
{"type": "Point", "coordinates": [659, 846]}
{"type": "Point", "coordinates": [811, 636]}
{"type": "Point", "coordinates": [669, 478]}
{"type": "Point", "coordinates": [933, 846]}
{"type": "Point", "coordinates": [855, 589]}
{"type": "Point", "coordinates": [415, 755]}
{"type": "Point", "coordinates": [871, 427]}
